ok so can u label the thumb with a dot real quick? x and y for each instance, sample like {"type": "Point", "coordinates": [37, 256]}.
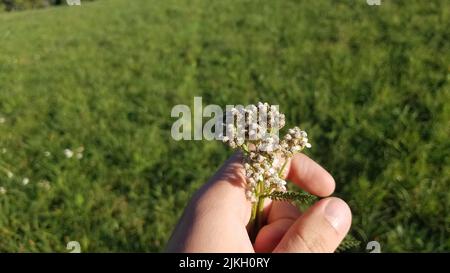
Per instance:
{"type": "Point", "coordinates": [320, 229]}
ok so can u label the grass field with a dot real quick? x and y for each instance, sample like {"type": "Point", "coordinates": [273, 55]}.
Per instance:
{"type": "Point", "coordinates": [370, 84]}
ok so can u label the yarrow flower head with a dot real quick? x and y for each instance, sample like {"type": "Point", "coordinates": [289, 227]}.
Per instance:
{"type": "Point", "coordinates": [255, 131]}
{"type": "Point", "coordinates": [256, 124]}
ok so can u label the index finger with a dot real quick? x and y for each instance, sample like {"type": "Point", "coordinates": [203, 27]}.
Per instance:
{"type": "Point", "coordinates": [310, 176]}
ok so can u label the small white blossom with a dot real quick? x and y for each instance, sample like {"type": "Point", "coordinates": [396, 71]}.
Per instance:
{"type": "Point", "coordinates": [68, 153]}
{"type": "Point", "coordinates": [295, 141]}
{"type": "Point", "coordinates": [79, 152]}
{"type": "Point", "coordinates": [44, 184]}
{"type": "Point", "coordinates": [9, 174]}
{"type": "Point", "coordinates": [2, 190]}
{"type": "Point", "coordinates": [271, 171]}
{"type": "Point", "coordinates": [251, 196]}
{"type": "Point", "coordinates": [25, 181]}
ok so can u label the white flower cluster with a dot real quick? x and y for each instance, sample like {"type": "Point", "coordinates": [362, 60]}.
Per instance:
{"type": "Point", "coordinates": [295, 141]}
{"type": "Point", "coordinates": [254, 130]}
{"type": "Point", "coordinates": [263, 171]}
{"type": "Point", "coordinates": [69, 153]}
{"type": "Point", "coordinates": [257, 124]}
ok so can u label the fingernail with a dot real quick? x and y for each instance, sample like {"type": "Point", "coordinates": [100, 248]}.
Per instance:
{"type": "Point", "coordinates": [338, 214]}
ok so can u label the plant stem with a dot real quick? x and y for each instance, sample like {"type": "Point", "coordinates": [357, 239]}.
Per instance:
{"type": "Point", "coordinates": [257, 217]}
{"type": "Point", "coordinates": [280, 173]}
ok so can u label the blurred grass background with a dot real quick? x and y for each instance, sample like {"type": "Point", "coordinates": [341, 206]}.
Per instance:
{"type": "Point", "coordinates": [370, 84]}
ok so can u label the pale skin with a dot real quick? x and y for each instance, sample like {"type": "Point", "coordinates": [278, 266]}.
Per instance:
{"type": "Point", "coordinates": [215, 219]}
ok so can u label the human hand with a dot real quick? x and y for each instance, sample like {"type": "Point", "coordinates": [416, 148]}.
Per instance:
{"type": "Point", "coordinates": [216, 218]}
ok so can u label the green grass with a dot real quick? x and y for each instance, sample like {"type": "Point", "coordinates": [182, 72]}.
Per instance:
{"type": "Point", "coordinates": [370, 85]}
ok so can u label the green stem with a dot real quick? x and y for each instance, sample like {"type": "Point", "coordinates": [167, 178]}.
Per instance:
{"type": "Point", "coordinates": [260, 213]}
{"type": "Point", "coordinates": [257, 217]}
{"type": "Point", "coordinates": [280, 173]}
{"type": "Point", "coordinates": [245, 148]}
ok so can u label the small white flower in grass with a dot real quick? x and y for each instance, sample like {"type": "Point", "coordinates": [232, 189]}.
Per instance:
{"type": "Point", "coordinates": [9, 174]}
{"type": "Point", "coordinates": [79, 152]}
{"type": "Point", "coordinates": [44, 184]}
{"type": "Point", "coordinates": [2, 190]}
{"type": "Point", "coordinates": [47, 154]}
{"type": "Point", "coordinates": [25, 181]}
{"type": "Point", "coordinates": [2, 120]}
{"type": "Point", "coordinates": [68, 153]}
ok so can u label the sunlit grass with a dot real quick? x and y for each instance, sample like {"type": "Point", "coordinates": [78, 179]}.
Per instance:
{"type": "Point", "coordinates": [369, 84]}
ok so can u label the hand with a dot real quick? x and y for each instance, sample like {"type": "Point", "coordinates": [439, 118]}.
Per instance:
{"type": "Point", "coordinates": [216, 218]}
